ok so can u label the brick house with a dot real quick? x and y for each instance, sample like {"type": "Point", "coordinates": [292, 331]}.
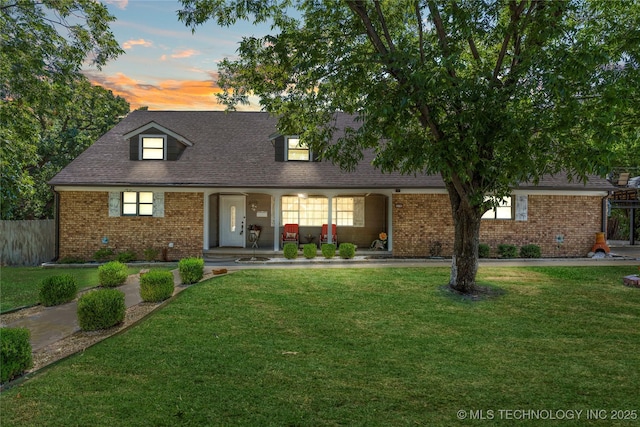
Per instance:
{"type": "Point", "coordinates": [190, 181]}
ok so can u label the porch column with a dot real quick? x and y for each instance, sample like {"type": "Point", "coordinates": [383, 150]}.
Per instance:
{"type": "Point", "coordinates": [277, 206]}
{"type": "Point", "coordinates": [330, 219]}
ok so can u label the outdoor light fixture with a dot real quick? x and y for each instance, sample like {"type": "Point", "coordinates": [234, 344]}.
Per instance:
{"type": "Point", "coordinates": [253, 205]}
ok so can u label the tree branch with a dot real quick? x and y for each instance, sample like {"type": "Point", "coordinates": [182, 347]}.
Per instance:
{"type": "Point", "coordinates": [420, 31]}
{"type": "Point", "coordinates": [516, 11]}
{"type": "Point", "coordinates": [359, 8]}
{"type": "Point", "coordinates": [385, 29]}
{"type": "Point", "coordinates": [442, 35]}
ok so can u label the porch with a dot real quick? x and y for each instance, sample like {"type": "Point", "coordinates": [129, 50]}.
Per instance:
{"type": "Point", "coordinates": [217, 253]}
{"type": "Point", "coordinates": [231, 218]}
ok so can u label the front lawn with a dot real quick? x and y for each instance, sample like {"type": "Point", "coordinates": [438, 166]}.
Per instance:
{"type": "Point", "coordinates": [369, 347]}
{"type": "Point", "coordinates": [19, 285]}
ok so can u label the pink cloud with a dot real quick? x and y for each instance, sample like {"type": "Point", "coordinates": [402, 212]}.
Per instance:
{"type": "Point", "coordinates": [120, 4]}
{"type": "Point", "coordinates": [186, 53]}
{"type": "Point", "coordinates": [140, 42]}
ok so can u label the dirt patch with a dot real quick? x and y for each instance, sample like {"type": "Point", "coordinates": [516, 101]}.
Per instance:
{"type": "Point", "coordinates": [480, 293]}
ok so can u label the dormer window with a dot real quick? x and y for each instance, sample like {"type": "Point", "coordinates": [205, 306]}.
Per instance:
{"type": "Point", "coordinates": [297, 150]}
{"type": "Point", "coordinates": [153, 147]}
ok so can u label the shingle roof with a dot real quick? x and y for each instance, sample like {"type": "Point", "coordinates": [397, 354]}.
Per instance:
{"type": "Point", "coordinates": [232, 149]}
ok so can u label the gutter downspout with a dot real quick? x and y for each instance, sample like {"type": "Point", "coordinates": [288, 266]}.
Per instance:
{"type": "Point", "coordinates": [605, 213]}
{"type": "Point", "coordinates": [56, 215]}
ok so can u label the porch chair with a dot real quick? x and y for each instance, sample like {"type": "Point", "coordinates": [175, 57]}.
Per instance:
{"type": "Point", "coordinates": [290, 234]}
{"type": "Point", "coordinates": [325, 231]}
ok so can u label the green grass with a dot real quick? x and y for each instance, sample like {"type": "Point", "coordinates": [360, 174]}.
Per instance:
{"type": "Point", "coordinates": [19, 285]}
{"type": "Point", "coordinates": [367, 347]}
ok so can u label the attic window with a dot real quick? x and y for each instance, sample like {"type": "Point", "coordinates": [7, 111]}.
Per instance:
{"type": "Point", "coordinates": [297, 151]}
{"type": "Point", "coordinates": [153, 147]}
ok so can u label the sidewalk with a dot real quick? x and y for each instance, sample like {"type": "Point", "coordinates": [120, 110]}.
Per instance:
{"type": "Point", "coordinates": [57, 322]}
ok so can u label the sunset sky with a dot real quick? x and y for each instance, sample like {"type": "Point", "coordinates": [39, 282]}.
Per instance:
{"type": "Point", "coordinates": [165, 66]}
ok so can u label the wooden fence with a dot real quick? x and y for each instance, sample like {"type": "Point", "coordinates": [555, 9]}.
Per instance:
{"type": "Point", "coordinates": [27, 242]}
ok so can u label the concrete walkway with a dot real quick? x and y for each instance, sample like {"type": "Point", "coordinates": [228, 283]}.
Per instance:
{"type": "Point", "coordinates": [57, 322]}
{"type": "Point", "coordinates": [54, 323]}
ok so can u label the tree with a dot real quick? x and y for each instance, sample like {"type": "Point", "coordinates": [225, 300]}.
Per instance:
{"type": "Point", "coordinates": [487, 94]}
{"type": "Point", "coordinates": [49, 112]}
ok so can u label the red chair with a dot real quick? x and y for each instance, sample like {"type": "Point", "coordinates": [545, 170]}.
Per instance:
{"type": "Point", "coordinates": [325, 231]}
{"type": "Point", "coordinates": [290, 234]}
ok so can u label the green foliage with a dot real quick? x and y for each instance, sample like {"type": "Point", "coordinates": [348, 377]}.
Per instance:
{"type": "Point", "coordinates": [347, 250]}
{"type": "Point", "coordinates": [127, 256]}
{"type": "Point", "coordinates": [435, 250]}
{"type": "Point", "coordinates": [101, 309]}
{"type": "Point", "coordinates": [484, 250]}
{"type": "Point", "coordinates": [103, 254]}
{"type": "Point", "coordinates": [58, 289]}
{"type": "Point", "coordinates": [309, 250]}
{"type": "Point", "coordinates": [530, 251]}
{"type": "Point", "coordinates": [156, 285]}
{"type": "Point", "coordinates": [49, 111]}
{"type": "Point", "coordinates": [328, 250]}
{"type": "Point", "coordinates": [112, 274]}
{"type": "Point", "coordinates": [191, 270]}
{"type": "Point", "coordinates": [290, 250]}
{"type": "Point", "coordinates": [15, 352]}
{"type": "Point", "coordinates": [507, 250]}
{"type": "Point", "coordinates": [151, 254]}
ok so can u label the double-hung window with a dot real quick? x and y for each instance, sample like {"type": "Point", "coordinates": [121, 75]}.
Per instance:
{"type": "Point", "coordinates": [153, 147]}
{"type": "Point", "coordinates": [297, 150]}
{"type": "Point", "coordinates": [137, 203]}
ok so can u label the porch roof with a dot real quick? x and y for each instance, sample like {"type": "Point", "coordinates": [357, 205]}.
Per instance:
{"type": "Point", "coordinates": [234, 150]}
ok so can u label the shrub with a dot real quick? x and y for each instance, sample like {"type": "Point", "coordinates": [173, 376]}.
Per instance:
{"type": "Point", "coordinates": [328, 250]}
{"type": "Point", "coordinates": [112, 274]}
{"type": "Point", "coordinates": [126, 256]}
{"type": "Point", "coordinates": [15, 352]}
{"type": "Point", "coordinates": [309, 250]}
{"type": "Point", "coordinates": [191, 270]}
{"type": "Point", "coordinates": [530, 251]}
{"type": "Point", "coordinates": [508, 251]}
{"type": "Point", "coordinates": [484, 250]}
{"type": "Point", "coordinates": [347, 250]}
{"type": "Point", "coordinates": [101, 309]}
{"type": "Point", "coordinates": [58, 289]}
{"type": "Point", "coordinates": [290, 250]}
{"type": "Point", "coordinates": [156, 285]}
{"type": "Point", "coordinates": [435, 250]}
{"type": "Point", "coordinates": [103, 254]}
{"type": "Point", "coordinates": [151, 254]}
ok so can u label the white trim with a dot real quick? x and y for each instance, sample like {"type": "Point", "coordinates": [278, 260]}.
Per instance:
{"type": "Point", "coordinates": [560, 193]}
{"type": "Point", "coordinates": [311, 191]}
{"type": "Point", "coordinates": [181, 139]}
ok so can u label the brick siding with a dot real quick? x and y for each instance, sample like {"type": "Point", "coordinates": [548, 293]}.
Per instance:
{"type": "Point", "coordinates": [424, 219]}
{"type": "Point", "coordinates": [84, 221]}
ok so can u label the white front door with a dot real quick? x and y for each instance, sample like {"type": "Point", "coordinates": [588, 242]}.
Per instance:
{"type": "Point", "coordinates": [232, 221]}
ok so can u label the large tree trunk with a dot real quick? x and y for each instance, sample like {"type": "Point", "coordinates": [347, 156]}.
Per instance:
{"type": "Point", "coordinates": [464, 265]}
